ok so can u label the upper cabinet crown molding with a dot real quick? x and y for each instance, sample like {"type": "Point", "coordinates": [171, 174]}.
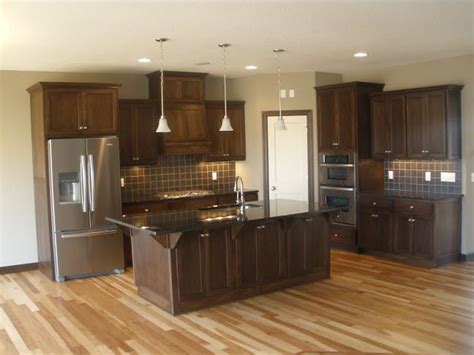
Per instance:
{"type": "Point", "coordinates": [343, 113]}
{"type": "Point", "coordinates": [179, 86]}
{"type": "Point", "coordinates": [76, 109]}
{"type": "Point", "coordinates": [419, 123]}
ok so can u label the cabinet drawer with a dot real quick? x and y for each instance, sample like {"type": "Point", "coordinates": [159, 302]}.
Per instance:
{"type": "Point", "coordinates": [342, 237]}
{"type": "Point", "coordinates": [192, 203]}
{"type": "Point", "coordinates": [375, 202]}
{"type": "Point", "coordinates": [144, 207]}
{"type": "Point", "coordinates": [414, 207]}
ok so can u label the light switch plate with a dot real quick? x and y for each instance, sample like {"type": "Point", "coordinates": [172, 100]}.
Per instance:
{"type": "Point", "coordinates": [291, 92]}
{"type": "Point", "coordinates": [427, 175]}
{"type": "Point", "coordinates": [472, 177]}
{"type": "Point", "coordinates": [214, 175]}
{"type": "Point", "coordinates": [448, 177]}
{"type": "Point", "coordinates": [390, 174]}
{"type": "Point", "coordinates": [283, 93]}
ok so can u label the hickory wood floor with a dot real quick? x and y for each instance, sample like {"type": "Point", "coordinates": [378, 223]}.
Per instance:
{"type": "Point", "coordinates": [369, 305]}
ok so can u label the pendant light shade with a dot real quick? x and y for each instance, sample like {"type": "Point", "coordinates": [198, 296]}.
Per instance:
{"type": "Point", "coordinates": [226, 125]}
{"type": "Point", "coordinates": [163, 122]}
{"type": "Point", "coordinates": [280, 122]}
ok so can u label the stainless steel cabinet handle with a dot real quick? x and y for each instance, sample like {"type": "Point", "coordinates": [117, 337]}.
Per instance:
{"type": "Point", "coordinates": [261, 227]}
{"type": "Point", "coordinates": [204, 235]}
{"type": "Point", "coordinates": [274, 188]}
{"type": "Point", "coordinates": [91, 168]}
{"type": "Point", "coordinates": [82, 167]}
{"type": "Point", "coordinates": [226, 154]}
{"type": "Point", "coordinates": [375, 216]}
{"type": "Point", "coordinates": [335, 144]}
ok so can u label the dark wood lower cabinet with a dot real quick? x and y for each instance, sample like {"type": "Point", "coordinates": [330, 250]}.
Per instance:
{"type": "Point", "coordinates": [209, 267]}
{"type": "Point", "coordinates": [421, 232]}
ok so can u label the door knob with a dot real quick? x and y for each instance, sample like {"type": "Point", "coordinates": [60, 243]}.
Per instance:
{"type": "Point", "coordinates": [274, 188]}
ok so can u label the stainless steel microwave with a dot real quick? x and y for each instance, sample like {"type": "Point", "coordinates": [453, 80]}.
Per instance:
{"type": "Point", "coordinates": [337, 170]}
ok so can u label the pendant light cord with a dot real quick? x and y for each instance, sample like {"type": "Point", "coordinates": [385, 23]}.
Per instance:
{"type": "Point", "coordinates": [225, 81]}
{"type": "Point", "coordinates": [162, 77]}
{"type": "Point", "coordinates": [279, 85]}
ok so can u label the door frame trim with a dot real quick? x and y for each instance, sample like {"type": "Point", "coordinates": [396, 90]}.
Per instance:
{"type": "Point", "coordinates": [309, 121]}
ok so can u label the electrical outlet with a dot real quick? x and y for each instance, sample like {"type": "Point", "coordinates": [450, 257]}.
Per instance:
{"type": "Point", "coordinates": [448, 177]}
{"type": "Point", "coordinates": [291, 92]}
{"type": "Point", "coordinates": [214, 175]}
{"type": "Point", "coordinates": [122, 182]}
{"type": "Point", "coordinates": [283, 93]}
{"type": "Point", "coordinates": [390, 174]}
{"type": "Point", "coordinates": [427, 175]}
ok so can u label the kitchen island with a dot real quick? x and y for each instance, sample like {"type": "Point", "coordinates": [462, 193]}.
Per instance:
{"type": "Point", "coordinates": [190, 259]}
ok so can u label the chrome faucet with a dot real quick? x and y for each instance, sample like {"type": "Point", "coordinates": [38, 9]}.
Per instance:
{"type": "Point", "coordinates": [239, 190]}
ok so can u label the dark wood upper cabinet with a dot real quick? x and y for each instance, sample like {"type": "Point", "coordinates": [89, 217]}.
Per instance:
{"type": "Point", "coordinates": [226, 145]}
{"type": "Point", "coordinates": [423, 123]}
{"type": "Point", "coordinates": [185, 111]}
{"type": "Point", "coordinates": [78, 109]}
{"type": "Point", "coordinates": [344, 117]}
{"type": "Point", "coordinates": [388, 126]}
{"type": "Point", "coordinates": [139, 143]}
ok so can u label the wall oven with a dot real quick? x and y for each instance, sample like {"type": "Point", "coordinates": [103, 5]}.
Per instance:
{"type": "Point", "coordinates": [341, 197]}
{"type": "Point", "coordinates": [337, 170]}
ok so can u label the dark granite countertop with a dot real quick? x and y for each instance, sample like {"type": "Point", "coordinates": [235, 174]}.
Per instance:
{"type": "Point", "coordinates": [201, 219]}
{"type": "Point", "coordinates": [154, 197]}
{"type": "Point", "coordinates": [427, 196]}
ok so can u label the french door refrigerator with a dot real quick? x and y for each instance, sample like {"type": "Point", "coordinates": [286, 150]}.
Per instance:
{"type": "Point", "coordinates": [84, 177]}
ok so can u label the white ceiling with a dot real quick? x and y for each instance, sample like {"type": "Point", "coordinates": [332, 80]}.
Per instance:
{"type": "Point", "coordinates": [109, 36]}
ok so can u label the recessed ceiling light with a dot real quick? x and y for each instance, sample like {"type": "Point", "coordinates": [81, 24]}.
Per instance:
{"type": "Point", "coordinates": [144, 60]}
{"type": "Point", "coordinates": [360, 54]}
{"type": "Point", "coordinates": [251, 67]}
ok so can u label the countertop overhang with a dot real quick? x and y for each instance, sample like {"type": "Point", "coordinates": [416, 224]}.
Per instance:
{"type": "Point", "coordinates": [179, 221]}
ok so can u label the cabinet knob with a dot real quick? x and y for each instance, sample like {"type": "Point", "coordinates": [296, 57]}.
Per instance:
{"type": "Point", "coordinates": [261, 227]}
{"type": "Point", "coordinates": [374, 203]}
{"type": "Point", "coordinates": [85, 127]}
{"type": "Point", "coordinates": [147, 210]}
{"type": "Point", "coordinates": [338, 216]}
{"type": "Point", "coordinates": [388, 151]}
{"type": "Point", "coordinates": [309, 220]}
{"type": "Point", "coordinates": [226, 154]}
{"type": "Point", "coordinates": [204, 235]}
{"type": "Point", "coordinates": [412, 207]}
{"type": "Point", "coordinates": [335, 144]}
{"type": "Point", "coordinates": [336, 235]}
{"type": "Point", "coordinates": [375, 216]}
{"type": "Point", "coordinates": [81, 128]}
{"type": "Point", "coordinates": [124, 215]}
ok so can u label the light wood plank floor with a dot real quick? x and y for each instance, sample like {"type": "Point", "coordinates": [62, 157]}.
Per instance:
{"type": "Point", "coordinates": [369, 305]}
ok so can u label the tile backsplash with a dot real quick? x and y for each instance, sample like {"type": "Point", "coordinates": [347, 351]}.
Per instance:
{"type": "Point", "coordinates": [409, 176]}
{"type": "Point", "coordinates": [177, 173]}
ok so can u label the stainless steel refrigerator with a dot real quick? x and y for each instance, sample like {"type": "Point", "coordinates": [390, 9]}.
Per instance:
{"type": "Point", "coordinates": [84, 177]}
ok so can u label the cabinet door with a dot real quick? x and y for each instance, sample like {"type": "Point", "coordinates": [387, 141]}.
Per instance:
{"type": "Point", "coordinates": [235, 140]}
{"type": "Point", "coordinates": [326, 106]}
{"type": "Point", "coordinates": [367, 229]}
{"type": "Point", "coordinates": [126, 134]}
{"type": "Point", "coordinates": [194, 117]}
{"type": "Point", "coordinates": [380, 128]}
{"type": "Point", "coordinates": [316, 244]}
{"type": "Point", "coordinates": [435, 125]}
{"type": "Point", "coordinates": [423, 237]}
{"type": "Point", "coordinates": [416, 112]}
{"type": "Point", "coordinates": [384, 231]}
{"type": "Point", "coordinates": [190, 267]}
{"type": "Point", "coordinates": [219, 261]}
{"type": "Point", "coordinates": [395, 112]}
{"type": "Point", "coordinates": [100, 111]}
{"type": "Point", "coordinates": [270, 252]}
{"type": "Point", "coordinates": [403, 236]}
{"type": "Point", "coordinates": [345, 100]}
{"type": "Point", "coordinates": [246, 257]}
{"type": "Point", "coordinates": [63, 112]}
{"type": "Point", "coordinates": [297, 238]}
{"type": "Point", "coordinates": [146, 139]}
{"type": "Point", "coordinates": [184, 89]}
{"type": "Point", "coordinates": [214, 115]}
{"type": "Point", "coordinates": [176, 123]}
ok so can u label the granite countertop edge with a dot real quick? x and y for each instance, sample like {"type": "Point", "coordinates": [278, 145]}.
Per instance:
{"type": "Point", "coordinates": [414, 196]}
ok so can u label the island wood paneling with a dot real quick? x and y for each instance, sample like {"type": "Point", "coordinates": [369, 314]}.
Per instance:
{"type": "Point", "coordinates": [368, 305]}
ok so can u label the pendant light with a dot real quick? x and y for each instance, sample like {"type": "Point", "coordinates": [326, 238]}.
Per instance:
{"type": "Point", "coordinates": [280, 122]}
{"type": "Point", "coordinates": [226, 126]}
{"type": "Point", "coordinates": [163, 122]}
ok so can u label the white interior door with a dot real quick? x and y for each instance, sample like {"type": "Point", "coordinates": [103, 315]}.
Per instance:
{"type": "Point", "coordinates": [288, 159]}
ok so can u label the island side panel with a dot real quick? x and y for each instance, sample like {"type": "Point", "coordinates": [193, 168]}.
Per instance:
{"type": "Point", "coordinates": [152, 270]}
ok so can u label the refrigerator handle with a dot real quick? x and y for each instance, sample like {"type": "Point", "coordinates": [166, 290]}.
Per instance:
{"type": "Point", "coordinates": [82, 166]}
{"type": "Point", "coordinates": [91, 182]}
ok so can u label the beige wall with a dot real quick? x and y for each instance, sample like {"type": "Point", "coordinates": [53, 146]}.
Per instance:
{"type": "Point", "coordinates": [260, 94]}
{"type": "Point", "coordinates": [458, 70]}
{"type": "Point", "coordinates": [17, 216]}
